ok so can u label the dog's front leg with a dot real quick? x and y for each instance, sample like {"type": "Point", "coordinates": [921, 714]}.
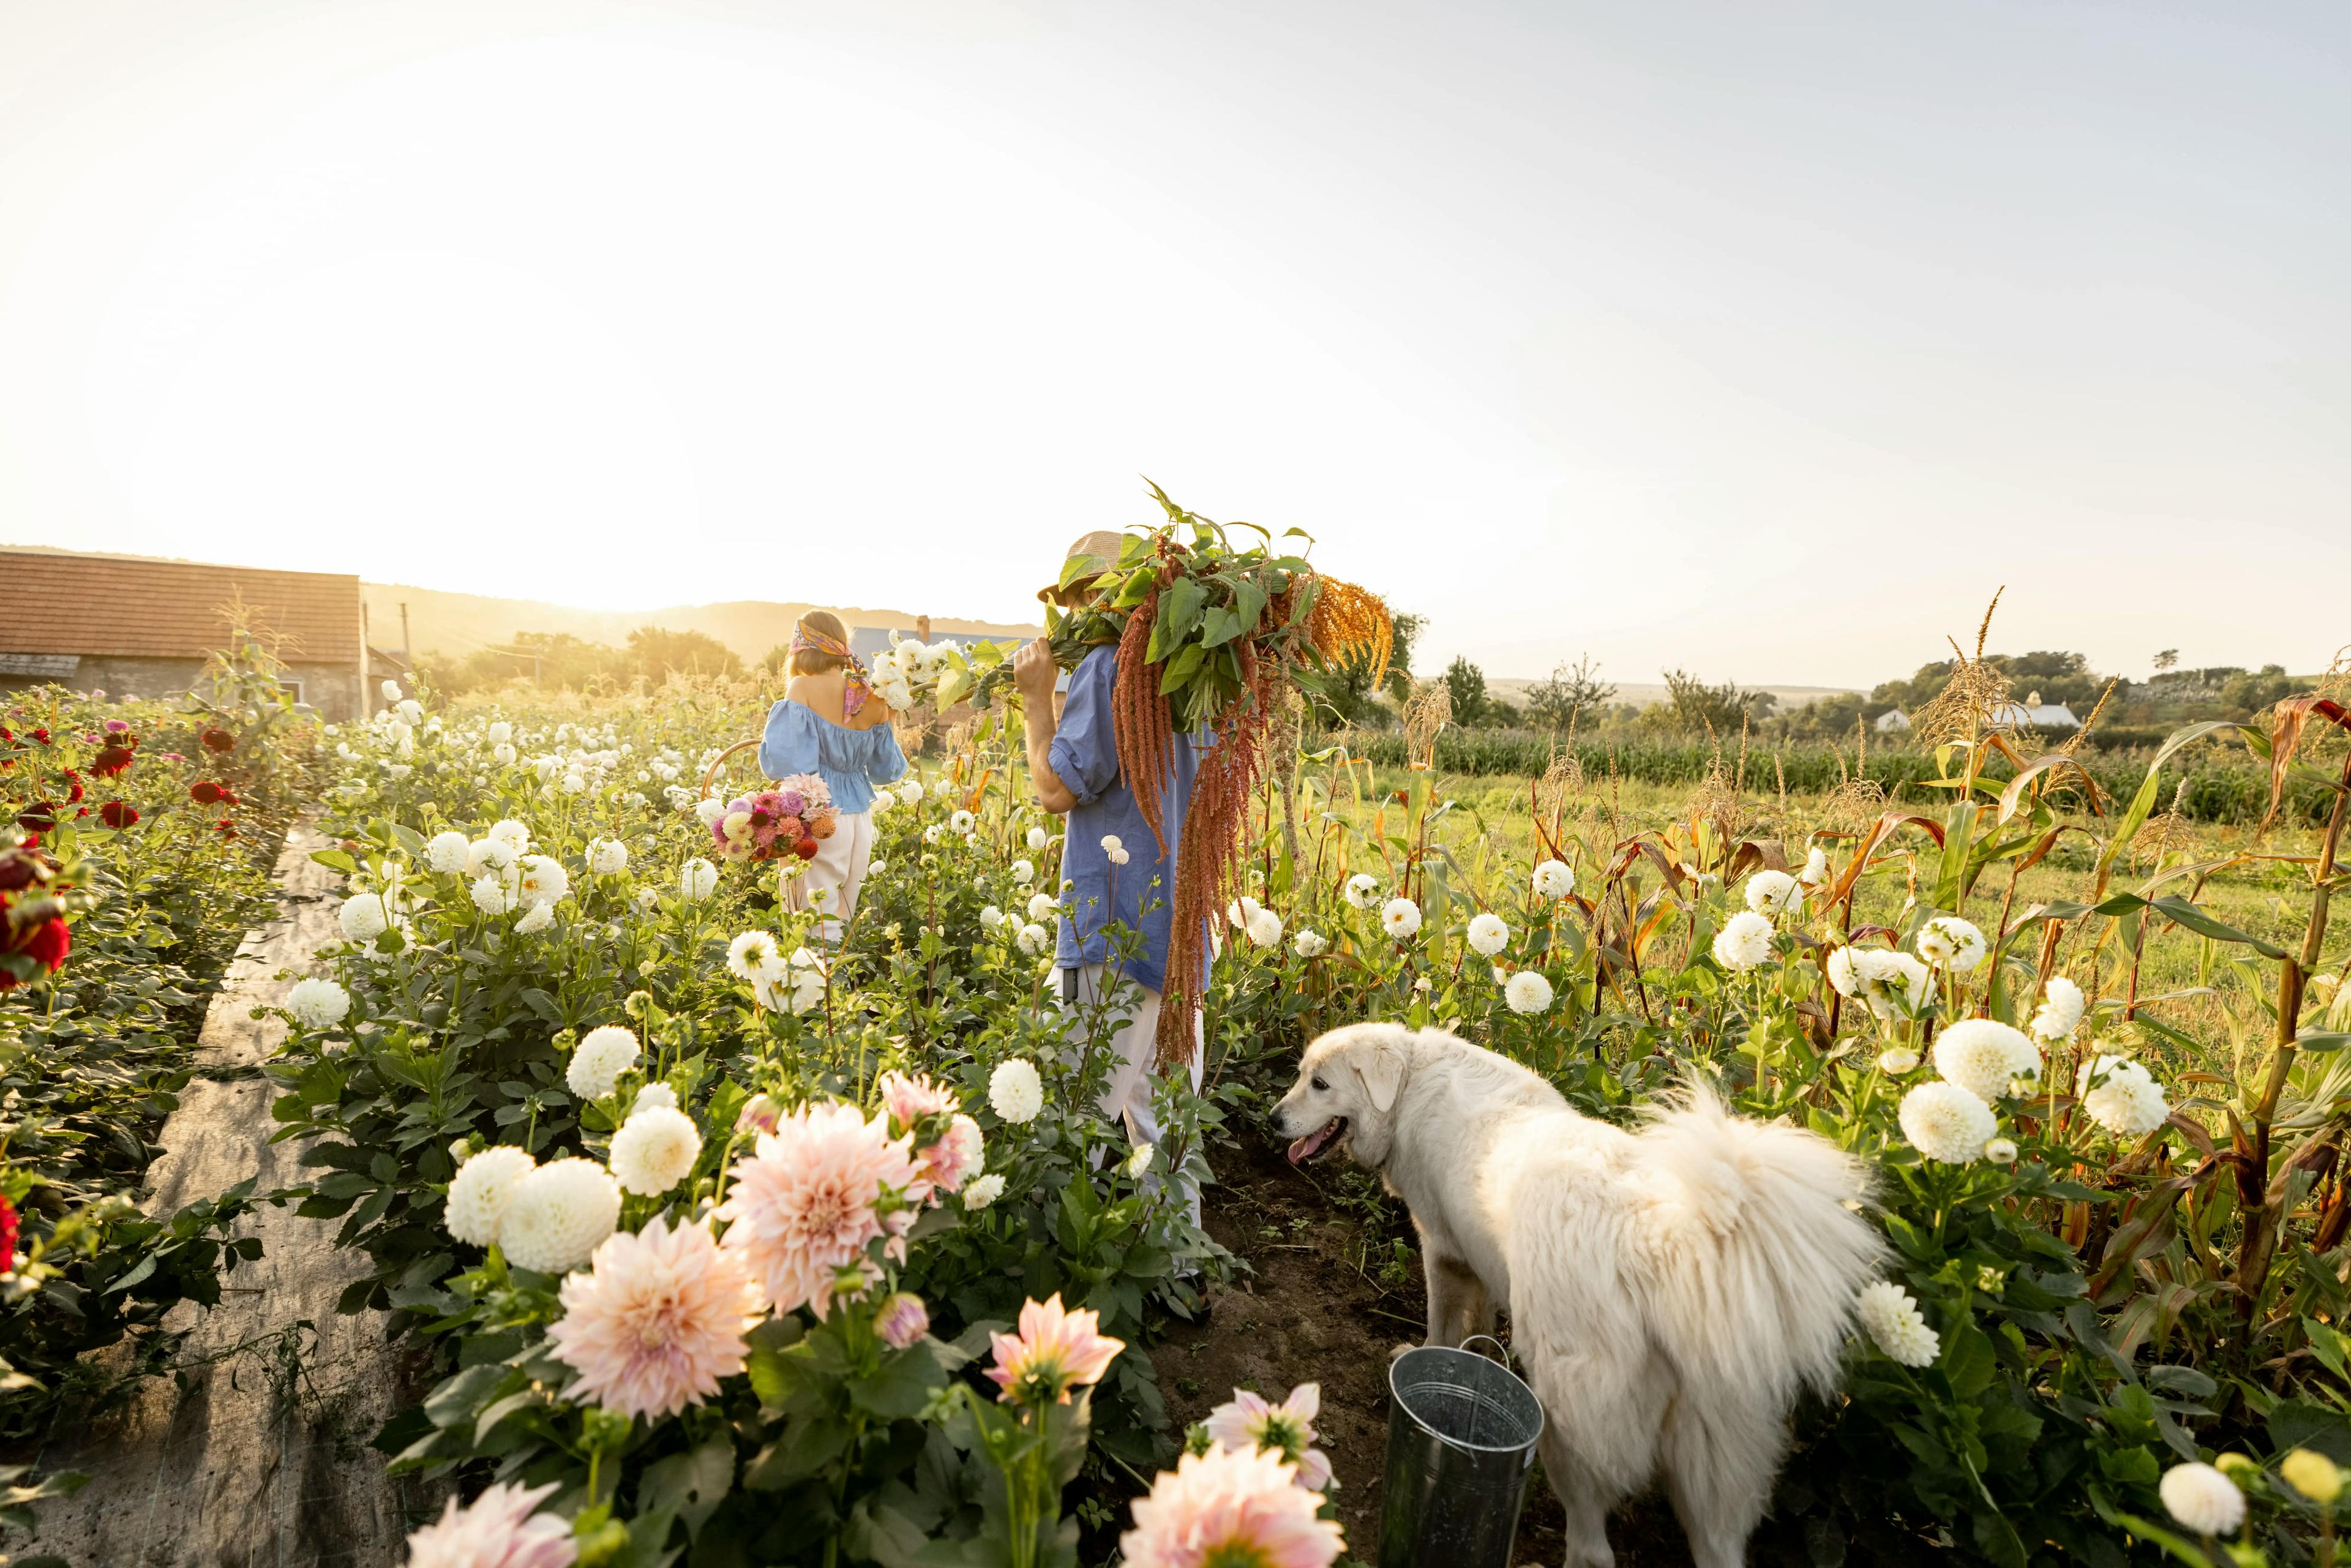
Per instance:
{"type": "Point", "coordinates": [1457, 1306]}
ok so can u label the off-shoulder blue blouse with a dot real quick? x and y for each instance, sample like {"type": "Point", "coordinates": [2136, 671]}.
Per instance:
{"type": "Point", "coordinates": [850, 761]}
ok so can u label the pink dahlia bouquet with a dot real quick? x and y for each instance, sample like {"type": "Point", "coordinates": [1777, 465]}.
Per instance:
{"type": "Point", "coordinates": [792, 819]}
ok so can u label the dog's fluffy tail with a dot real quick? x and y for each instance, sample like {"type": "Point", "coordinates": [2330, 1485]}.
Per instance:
{"type": "Point", "coordinates": [1759, 1248]}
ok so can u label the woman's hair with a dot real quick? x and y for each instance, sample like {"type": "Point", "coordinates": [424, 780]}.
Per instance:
{"type": "Point", "coordinates": [808, 661]}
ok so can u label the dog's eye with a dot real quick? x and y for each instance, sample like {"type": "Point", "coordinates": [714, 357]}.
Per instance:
{"type": "Point", "coordinates": [1320, 1084]}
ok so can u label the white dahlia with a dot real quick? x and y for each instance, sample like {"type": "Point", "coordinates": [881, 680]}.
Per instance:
{"type": "Point", "coordinates": [480, 1191]}
{"type": "Point", "coordinates": [607, 857]}
{"type": "Point", "coordinates": [1891, 1316]}
{"type": "Point", "coordinates": [1362, 890]}
{"type": "Point", "coordinates": [983, 1190]}
{"type": "Point", "coordinates": [599, 1061]}
{"type": "Point", "coordinates": [559, 1215]}
{"type": "Point", "coordinates": [1982, 1056]}
{"type": "Point", "coordinates": [1528, 992]}
{"type": "Point", "coordinates": [1773, 893]}
{"type": "Point", "coordinates": [1400, 918]}
{"type": "Point", "coordinates": [1488, 935]}
{"type": "Point", "coordinates": [448, 852]}
{"type": "Point", "coordinates": [1016, 1092]}
{"type": "Point", "coordinates": [697, 879]}
{"type": "Point", "coordinates": [2202, 1498]}
{"type": "Point", "coordinates": [1744, 942]}
{"type": "Point", "coordinates": [1946, 1124]}
{"type": "Point", "coordinates": [655, 1149]}
{"type": "Point", "coordinates": [492, 896]}
{"type": "Point", "coordinates": [363, 917]}
{"type": "Point", "coordinates": [1948, 942]}
{"type": "Point", "coordinates": [2122, 1098]}
{"type": "Point", "coordinates": [1265, 928]}
{"type": "Point", "coordinates": [318, 1004]}
{"type": "Point", "coordinates": [749, 953]}
{"type": "Point", "coordinates": [534, 919]}
{"type": "Point", "coordinates": [1554, 879]}
{"type": "Point", "coordinates": [2062, 1004]}
{"type": "Point", "coordinates": [1311, 944]}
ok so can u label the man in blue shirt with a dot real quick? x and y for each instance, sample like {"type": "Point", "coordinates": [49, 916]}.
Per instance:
{"type": "Point", "coordinates": [1073, 766]}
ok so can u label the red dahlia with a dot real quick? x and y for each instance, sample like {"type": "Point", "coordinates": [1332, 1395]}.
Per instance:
{"type": "Point", "coordinates": [204, 792]}
{"type": "Point", "coordinates": [219, 740]}
{"type": "Point", "coordinates": [117, 814]}
{"type": "Point", "coordinates": [38, 818]}
{"type": "Point", "coordinates": [110, 761]}
{"type": "Point", "coordinates": [9, 1230]}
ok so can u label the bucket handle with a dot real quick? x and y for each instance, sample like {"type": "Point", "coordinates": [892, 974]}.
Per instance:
{"type": "Point", "coordinates": [1508, 1359]}
{"type": "Point", "coordinates": [1508, 1365]}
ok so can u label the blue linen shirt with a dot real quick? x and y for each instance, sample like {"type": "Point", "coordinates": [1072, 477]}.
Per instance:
{"type": "Point", "coordinates": [1084, 753]}
{"type": "Point", "coordinates": [850, 761]}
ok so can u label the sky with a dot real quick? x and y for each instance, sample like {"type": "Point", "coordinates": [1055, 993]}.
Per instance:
{"type": "Point", "coordinates": [1765, 341]}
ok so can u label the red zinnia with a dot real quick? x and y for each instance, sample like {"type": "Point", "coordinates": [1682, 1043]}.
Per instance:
{"type": "Point", "coordinates": [73, 796]}
{"type": "Point", "coordinates": [42, 735]}
{"type": "Point", "coordinates": [219, 740]}
{"type": "Point", "coordinates": [7, 1233]}
{"type": "Point", "coordinates": [45, 942]}
{"type": "Point", "coordinates": [117, 814]}
{"type": "Point", "coordinates": [113, 761]}
{"type": "Point", "coordinates": [38, 818]}
{"type": "Point", "coordinates": [204, 792]}
{"type": "Point", "coordinates": [227, 828]}
{"type": "Point", "coordinates": [228, 798]}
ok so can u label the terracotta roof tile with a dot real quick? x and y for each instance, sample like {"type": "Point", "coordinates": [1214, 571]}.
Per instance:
{"type": "Point", "coordinates": [129, 605]}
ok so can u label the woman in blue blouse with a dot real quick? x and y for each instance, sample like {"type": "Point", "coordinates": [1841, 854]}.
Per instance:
{"type": "Point", "coordinates": [831, 725]}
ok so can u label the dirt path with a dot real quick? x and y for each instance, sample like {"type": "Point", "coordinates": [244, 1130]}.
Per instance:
{"type": "Point", "coordinates": [259, 1459]}
{"type": "Point", "coordinates": [1315, 1309]}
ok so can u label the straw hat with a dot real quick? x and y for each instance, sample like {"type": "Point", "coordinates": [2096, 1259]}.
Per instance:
{"type": "Point", "coordinates": [1099, 548]}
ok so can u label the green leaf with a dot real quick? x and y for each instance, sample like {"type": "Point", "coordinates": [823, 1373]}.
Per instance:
{"type": "Point", "coordinates": [335, 860]}
{"type": "Point", "coordinates": [691, 1485]}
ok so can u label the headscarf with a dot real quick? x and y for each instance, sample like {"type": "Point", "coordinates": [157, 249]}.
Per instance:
{"type": "Point", "coordinates": [855, 688]}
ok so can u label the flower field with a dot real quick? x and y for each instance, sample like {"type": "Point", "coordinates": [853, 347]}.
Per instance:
{"type": "Point", "coordinates": [727, 1245]}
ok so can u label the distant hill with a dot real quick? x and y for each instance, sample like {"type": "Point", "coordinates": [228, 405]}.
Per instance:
{"type": "Point", "coordinates": [456, 624]}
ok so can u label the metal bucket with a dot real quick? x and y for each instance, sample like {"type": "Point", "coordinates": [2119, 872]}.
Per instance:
{"type": "Point", "coordinates": [1461, 1446]}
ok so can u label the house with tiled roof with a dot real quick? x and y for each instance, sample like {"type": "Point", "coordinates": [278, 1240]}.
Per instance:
{"type": "Point", "coordinates": [138, 626]}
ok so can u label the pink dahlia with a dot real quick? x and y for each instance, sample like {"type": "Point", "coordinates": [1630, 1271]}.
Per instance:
{"type": "Point", "coordinates": [955, 1157]}
{"type": "Point", "coordinates": [912, 1098]}
{"type": "Point", "coordinates": [1225, 1507]}
{"type": "Point", "coordinates": [500, 1530]}
{"type": "Point", "coordinates": [1054, 1352]}
{"type": "Point", "coordinates": [656, 1322]}
{"type": "Point", "coordinates": [1286, 1428]}
{"type": "Point", "coordinates": [806, 1203]}
{"type": "Point", "coordinates": [903, 1320]}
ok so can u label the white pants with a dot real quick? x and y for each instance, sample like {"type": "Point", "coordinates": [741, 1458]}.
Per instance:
{"type": "Point", "coordinates": [1135, 1051]}
{"type": "Point", "coordinates": [839, 868]}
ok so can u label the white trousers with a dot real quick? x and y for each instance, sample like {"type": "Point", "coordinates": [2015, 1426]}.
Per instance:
{"type": "Point", "coordinates": [839, 867]}
{"type": "Point", "coordinates": [1135, 1051]}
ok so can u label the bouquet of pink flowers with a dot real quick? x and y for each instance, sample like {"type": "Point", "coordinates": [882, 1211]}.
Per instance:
{"type": "Point", "coordinates": [788, 820]}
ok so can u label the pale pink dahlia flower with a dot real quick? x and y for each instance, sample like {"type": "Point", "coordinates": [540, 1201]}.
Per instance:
{"type": "Point", "coordinates": [1249, 1422]}
{"type": "Point", "coordinates": [498, 1530]}
{"type": "Point", "coordinates": [954, 1158]}
{"type": "Point", "coordinates": [805, 1204]}
{"type": "Point", "coordinates": [657, 1320]}
{"type": "Point", "coordinates": [912, 1098]}
{"type": "Point", "coordinates": [1054, 1352]}
{"type": "Point", "coordinates": [1228, 1506]}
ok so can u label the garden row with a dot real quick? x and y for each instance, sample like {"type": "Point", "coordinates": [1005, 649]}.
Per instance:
{"type": "Point", "coordinates": [135, 845]}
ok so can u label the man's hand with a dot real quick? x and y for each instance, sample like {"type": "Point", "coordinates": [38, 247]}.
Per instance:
{"type": "Point", "coordinates": [1034, 674]}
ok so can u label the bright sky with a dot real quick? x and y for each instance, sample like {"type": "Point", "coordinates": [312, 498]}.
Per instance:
{"type": "Point", "coordinates": [1765, 339]}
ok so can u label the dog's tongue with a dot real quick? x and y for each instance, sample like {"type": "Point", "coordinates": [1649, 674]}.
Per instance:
{"type": "Point", "coordinates": [1313, 1140]}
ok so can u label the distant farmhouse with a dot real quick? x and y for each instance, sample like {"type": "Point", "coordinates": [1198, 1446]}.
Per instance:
{"type": "Point", "coordinates": [2034, 714]}
{"type": "Point", "coordinates": [134, 626]}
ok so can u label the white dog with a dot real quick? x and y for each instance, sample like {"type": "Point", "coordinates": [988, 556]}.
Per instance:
{"type": "Point", "coordinates": [1670, 1291]}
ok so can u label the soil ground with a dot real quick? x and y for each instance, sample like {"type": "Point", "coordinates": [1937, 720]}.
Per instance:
{"type": "Point", "coordinates": [1325, 1298]}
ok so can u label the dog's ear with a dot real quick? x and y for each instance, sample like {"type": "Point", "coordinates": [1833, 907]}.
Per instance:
{"type": "Point", "coordinates": [1382, 1067]}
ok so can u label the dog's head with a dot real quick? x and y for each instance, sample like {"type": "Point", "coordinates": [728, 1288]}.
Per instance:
{"type": "Point", "coordinates": [1346, 1094]}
